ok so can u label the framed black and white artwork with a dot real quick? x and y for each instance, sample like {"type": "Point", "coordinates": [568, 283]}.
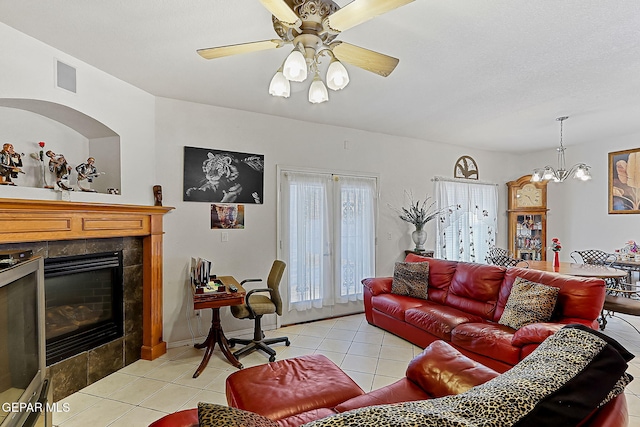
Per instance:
{"type": "Point", "coordinates": [222, 176]}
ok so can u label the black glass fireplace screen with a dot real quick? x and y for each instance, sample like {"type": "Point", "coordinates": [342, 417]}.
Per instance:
{"type": "Point", "coordinates": [84, 303]}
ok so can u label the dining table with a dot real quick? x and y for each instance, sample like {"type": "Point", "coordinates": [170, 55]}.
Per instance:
{"type": "Point", "coordinates": [581, 270]}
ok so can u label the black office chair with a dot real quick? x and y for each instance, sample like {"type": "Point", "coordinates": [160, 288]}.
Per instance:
{"type": "Point", "coordinates": [255, 307]}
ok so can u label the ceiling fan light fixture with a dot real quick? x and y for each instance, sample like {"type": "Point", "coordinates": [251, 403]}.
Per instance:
{"type": "Point", "coordinates": [318, 91]}
{"type": "Point", "coordinates": [295, 66]}
{"type": "Point", "coordinates": [279, 85]}
{"type": "Point", "coordinates": [337, 76]}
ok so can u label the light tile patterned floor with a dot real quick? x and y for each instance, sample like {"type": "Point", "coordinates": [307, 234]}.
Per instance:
{"type": "Point", "coordinates": [144, 391]}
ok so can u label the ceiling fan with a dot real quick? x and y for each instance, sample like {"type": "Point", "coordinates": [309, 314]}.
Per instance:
{"type": "Point", "coordinates": [312, 26]}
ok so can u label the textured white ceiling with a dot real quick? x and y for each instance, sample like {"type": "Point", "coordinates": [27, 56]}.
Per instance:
{"type": "Point", "coordinates": [485, 74]}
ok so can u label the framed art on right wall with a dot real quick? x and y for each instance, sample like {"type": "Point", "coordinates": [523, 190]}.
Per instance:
{"type": "Point", "coordinates": [624, 182]}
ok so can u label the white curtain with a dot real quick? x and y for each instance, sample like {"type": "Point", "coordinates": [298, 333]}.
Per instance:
{"type": "Point", "coordinates": [328, 237]}
{"type": "Point", "coordinates": [355, 229]}
{"type": "Point", "coordinates": [468, 225]}
{"type": "Point", "coordinates": [307, 239]}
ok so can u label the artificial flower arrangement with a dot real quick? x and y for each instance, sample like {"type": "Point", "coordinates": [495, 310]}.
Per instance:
{"type": "Point", "coordinates": [632, 247]}
{"type": "Point", "coordinates": [556, 246]}
{"type": "Point", "coordinates": [418, 213]}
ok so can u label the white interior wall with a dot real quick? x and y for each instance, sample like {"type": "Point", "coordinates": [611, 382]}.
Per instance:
{"type": "Point", "coordinates": [28, 73]}
{"type": "Point", "coordinates": [107, 154]}
{"type": "Point", "coordinates": [401, 163]}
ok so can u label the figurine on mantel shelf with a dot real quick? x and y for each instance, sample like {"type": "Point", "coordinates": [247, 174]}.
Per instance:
{"type": "Point", "coordinates": [59, 166]}
{"type": "Point", "coordinates": [10, 163]}
{"type": "Point", "coordinates": [87, 171]}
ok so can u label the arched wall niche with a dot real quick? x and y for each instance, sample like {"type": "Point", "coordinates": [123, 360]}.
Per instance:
{"type": "Point", "coordinates": [64, 130]}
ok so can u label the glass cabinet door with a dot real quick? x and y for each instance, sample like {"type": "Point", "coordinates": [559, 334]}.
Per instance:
{"type": "Point", "coordinates": [528, 237]}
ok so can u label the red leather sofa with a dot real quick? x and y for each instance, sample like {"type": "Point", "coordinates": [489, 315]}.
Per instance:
{"type": "Point", "coordinates": [465, 302]}
{"type": "Point", "coordinates": [438, 371]}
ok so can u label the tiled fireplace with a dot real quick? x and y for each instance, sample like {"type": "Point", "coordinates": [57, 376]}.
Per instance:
{"type": "Point", "coordinates": [54, 229]}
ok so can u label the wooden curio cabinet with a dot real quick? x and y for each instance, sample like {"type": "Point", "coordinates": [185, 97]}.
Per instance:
{"type": "Point", "coordinates": [527, 218]}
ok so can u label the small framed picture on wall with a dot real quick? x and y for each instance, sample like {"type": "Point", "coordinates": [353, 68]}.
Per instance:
{"type": "Point", "coordinates": [222, 176]}
{"type": "Point", "coordinates": [224, 215]}
{"type": "Point", "coordinates": [624, 182]}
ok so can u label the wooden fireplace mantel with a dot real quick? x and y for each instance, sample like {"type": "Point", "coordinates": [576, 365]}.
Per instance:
{"type": "Point", "coordinates": [24, 220]}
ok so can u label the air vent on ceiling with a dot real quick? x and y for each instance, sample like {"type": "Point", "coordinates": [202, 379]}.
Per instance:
{"type": "Point", "coordinates": [65, 76]}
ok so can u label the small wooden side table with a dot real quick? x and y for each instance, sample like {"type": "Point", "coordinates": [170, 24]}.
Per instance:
{"type": "Point", "coordinates": [215, 301]}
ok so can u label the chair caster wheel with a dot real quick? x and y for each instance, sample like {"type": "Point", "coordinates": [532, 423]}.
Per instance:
{"type": "Point", "coordinates": [231, 344]}
{"type": "Point", "coordinates": [287, 343]}
{"type": "Point", "coordinates": [272, 359]}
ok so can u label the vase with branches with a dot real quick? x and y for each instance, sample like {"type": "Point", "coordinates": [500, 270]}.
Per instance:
{"type": "Point", "coordinates": [418, 213]}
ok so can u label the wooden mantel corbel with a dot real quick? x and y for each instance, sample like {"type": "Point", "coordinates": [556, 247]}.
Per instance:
{"type": "Point", "coordinates": [24, 220]}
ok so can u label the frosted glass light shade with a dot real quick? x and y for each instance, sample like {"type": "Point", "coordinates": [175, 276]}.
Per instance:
{"type": "Point", "coordinates": [318, 91]}
{"type": "Point", "coordinates": [583, 173]}
{"type": "Point", "coordinates": [295, 67]}
{"type": "Point", "coordinates": [280, 86]}
{"type": "Point", "coordinates": [337, 76]}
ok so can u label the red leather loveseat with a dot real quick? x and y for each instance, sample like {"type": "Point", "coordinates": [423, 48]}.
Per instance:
{"type": "Point", "coordinates": [438, 371]}
{"type": "Point", "coordinates": [465, 302]}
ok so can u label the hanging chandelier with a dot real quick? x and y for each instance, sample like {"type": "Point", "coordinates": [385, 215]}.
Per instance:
{"type": "Point", "coordinates": [548, 173]}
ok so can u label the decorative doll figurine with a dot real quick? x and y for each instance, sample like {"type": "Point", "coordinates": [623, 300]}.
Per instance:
{"type": "Point", "coordinates": [59, 166]}
{"type": "Point", "coordinates": [10, 163]}
{"type": "Point", "coordinates": [87, 171]}
{"type": "Point", "coordinates": [157, 195]}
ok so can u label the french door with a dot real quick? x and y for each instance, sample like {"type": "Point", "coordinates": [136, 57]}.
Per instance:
{"type": "Point", "coordinates": [327, 229]}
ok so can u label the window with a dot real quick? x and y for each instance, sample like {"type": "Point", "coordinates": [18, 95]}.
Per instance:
{"type": "Point", "coordinates": [468, 225]}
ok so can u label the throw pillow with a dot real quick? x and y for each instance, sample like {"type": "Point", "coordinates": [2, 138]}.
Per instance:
{"type": "Point", "coordinates": [210, 414]}
{"type": "Point", "coordinates": [528, 302]}
{"type": "Point", "coordinates": [411, 279]}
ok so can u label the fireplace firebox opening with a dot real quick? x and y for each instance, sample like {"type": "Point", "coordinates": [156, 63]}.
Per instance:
{"type": "Point", "coordinates": [84, 303]}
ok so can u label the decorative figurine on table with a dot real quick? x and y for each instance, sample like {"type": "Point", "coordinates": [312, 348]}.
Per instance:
{"type": "Point", "coordinates": [59, 166]}
{"type": "Point", "coordinates": [10, 163]}
{"type": "Point", "coordinates": [87, 171]}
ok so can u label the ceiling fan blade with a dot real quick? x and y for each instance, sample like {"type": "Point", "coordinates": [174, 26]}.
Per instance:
{"type": "Point", "coordinates": [359, 11]}
{"type": "Point", "coordinates": [281, 10]}
{"type": "Point", "coordinates": [364, 58]}
{"type": "Point", "coordinates": [236, 49]}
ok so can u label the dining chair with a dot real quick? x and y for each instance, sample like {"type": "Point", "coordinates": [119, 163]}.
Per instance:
{"type": "Point", "coordinates": [593, 256]}
{"type": "Point", "coordinates": [507, 261]}
{"type": "Point", "coordinates": [617, 287]}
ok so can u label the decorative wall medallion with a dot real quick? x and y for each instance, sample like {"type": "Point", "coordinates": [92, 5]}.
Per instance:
{"type": "Point", "coordinates": [466, 168]}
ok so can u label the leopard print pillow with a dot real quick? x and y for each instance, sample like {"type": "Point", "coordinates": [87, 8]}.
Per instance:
{"type": "Point", "coordinates": [528, 303]}
{"type": "Point", "coordinates": [210, 414]}
{"type": "Point", "coordinates": [411, 279]}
